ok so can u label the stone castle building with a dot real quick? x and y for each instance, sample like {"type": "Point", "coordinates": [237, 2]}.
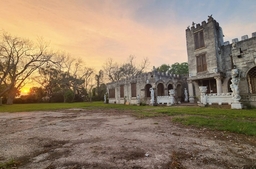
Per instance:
{"type": "Point", "coordinates": [134, 89]}
{"type": "Point", "coordinates": [211, 62]}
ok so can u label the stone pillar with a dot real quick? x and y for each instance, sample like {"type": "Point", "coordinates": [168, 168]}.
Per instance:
{"type": "Point", "coordinates": [218, 84]}
{"type": "Point", "coordinates": [203, 90]}
{"type": "Point", "coordinates": [191, 92]}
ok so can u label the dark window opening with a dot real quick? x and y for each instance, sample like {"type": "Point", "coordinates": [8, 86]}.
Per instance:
{"type": "Point", "coordinates": [252, 80]}
{"type": "Point", "coordinates": [201, 63]}
{"type": "Point", "coordinates": [160, 89]}
{"type": "Point", "coordinates": [199, 39]}
{"type": "Point", "coordinates": [133, 89]}
{"type": "Point", "coordinates": [111, 93]}
{"type": "Point", "coordinates": [147, 92]}
{"type": "Point", "coordinates": [122, 91]}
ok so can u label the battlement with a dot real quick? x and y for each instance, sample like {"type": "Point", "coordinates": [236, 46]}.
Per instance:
{"type": "Point", "coordinates": [244, 37]}
{"type": "Point", "coordinates": [203, 24]}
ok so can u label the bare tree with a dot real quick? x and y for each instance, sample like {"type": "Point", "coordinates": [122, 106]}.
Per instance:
{"type": "Point", "coordinates": [115, 71]}
{"type": "Point", "coordinates": [65, 75]}
{"type": "Point", "coordinates": [19, 58]}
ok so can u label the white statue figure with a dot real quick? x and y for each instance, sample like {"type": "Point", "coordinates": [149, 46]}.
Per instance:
{"type": "Point", "coordinates": [105, 98]}
{"type": "Point", "coordinates": [203, 90]}
{"type": "Point", "coordinates": [186, 95]}
{"type": "Point", "coordinates": [234, 85]}
{"type": "Point", "coordinates": [152, 100]}
{"type": "Point", "coordinates": [172, 94]}
{"type": "Point", "coordinates": [138, 99]}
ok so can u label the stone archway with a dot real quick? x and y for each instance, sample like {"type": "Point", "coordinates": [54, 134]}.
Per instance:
{"type": "Point", "coordinates": [147, 92]}
{"type": "Point", "coordinates": [179, 93]}
{"type": "Point", "coordinates": [251, 78]}
{"type": "Point", "coordinates": [160, 89]}
{"type": "Point", "coordinates": [169, 87]}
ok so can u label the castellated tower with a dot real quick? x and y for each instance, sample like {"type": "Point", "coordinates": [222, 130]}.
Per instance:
{"type": "Point", "coordinates": [211, 62]}
{"type": "Point", "coordinates": [204, 43]}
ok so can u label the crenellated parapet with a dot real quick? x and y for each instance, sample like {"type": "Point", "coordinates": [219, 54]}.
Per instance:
{"type": "Point", "coordinates": [243, 38]}
{"type": "Point", "coordinates": [195, 27]}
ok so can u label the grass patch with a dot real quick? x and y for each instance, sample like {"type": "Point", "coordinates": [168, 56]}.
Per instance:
{"type": "Point", "coordinates": [224, 124]}
{"type": "Point", "coordinates": [9, 164]}
{"type": "Point", "coordinates": [237, 121]}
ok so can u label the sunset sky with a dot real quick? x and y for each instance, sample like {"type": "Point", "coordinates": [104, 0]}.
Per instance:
{"type": "Point", "coordinates": [95, 30]}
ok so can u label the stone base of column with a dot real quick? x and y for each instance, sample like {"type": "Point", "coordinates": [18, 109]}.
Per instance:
{"type": "Point", "coordinates": [191, 100]}
{"type": "Point", "coordinates": [236, 105]}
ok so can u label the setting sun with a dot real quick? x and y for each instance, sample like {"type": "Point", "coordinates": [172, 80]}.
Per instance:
{"type": "Point", "coordinates": [24, 91]}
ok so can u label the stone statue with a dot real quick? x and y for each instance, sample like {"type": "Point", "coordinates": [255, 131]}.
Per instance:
{"type": "Point", "coordinates": [152, 100]}
{"type": "Point", "coordinates": [236, 104]}
{"type": "Point", "coordinates": [105, 98]}
{"type": "Point", "coordinates": [186, 95]}
{"type": "Point", "coordinates": [203, 90]}
{"type": "Point", "coordinates": [138, 99]}
{"type": "Point", "coordinates": [172, 99]}
{"type": "Point", "coordinates": [233, 45]}
{"type": "Point", "coordinates": [235, 85]}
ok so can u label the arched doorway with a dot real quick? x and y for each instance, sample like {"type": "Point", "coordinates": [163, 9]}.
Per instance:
{"type": "Point", "coordinates": [147, 92]}
{"type": "Point", "coordinates": [251, 77]}
{"type": "Point", "coordinates": [170, 86]}
{"type": "Point", "coordinates": [160, 89]}
{"type": "Point", "coordinates": [179, 93]}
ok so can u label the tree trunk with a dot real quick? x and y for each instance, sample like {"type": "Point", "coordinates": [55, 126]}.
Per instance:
{"type": "Point", "coordinates": [10, 98]}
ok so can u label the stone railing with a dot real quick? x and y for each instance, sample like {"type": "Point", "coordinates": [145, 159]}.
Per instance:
{"type": "Point", "coordinates": [163, 99]}
{"type": "Point", "coordinates": [219, 98]}
{"type": "Point", "coordinates": [169, 100]}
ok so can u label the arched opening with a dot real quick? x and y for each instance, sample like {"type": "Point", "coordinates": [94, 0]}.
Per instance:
{"type": "Point", "coordinates": [147, 92]}
{"type": "Point", "coordinates": [229, 82]}
{"type": "Point", "coordinates": [170, 86]}
{"type": "Point", "coordinates": [251, 77]}
{"type": "Point", "coordinates": [179, 93]}
{"type": "Point", "coordinates": [160, 89]}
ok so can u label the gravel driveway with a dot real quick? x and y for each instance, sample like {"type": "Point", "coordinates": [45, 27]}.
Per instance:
{"type": "Point", "coordinates": [82, 139]}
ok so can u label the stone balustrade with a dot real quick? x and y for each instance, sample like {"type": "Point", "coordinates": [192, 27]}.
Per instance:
{"type": "Point", "coordinates": [219, 98]}
{"type": "Point", "coordinates": [163, 99]}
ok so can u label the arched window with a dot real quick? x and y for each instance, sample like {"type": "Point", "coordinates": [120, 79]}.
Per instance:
{"type": "Point", "coordinates": [147, 92]}
{"type": "Point", "coordinates": [160, 89]}
{"type": "Point", "coordinates": [170, 86]}
{"type": "Point", "coordinates": [252, 80]}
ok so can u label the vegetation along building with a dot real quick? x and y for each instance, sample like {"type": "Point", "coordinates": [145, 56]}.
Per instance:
{"type": "Point", "coordinates": [211, 62]}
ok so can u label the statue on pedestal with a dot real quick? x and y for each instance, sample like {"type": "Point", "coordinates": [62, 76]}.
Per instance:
{"type": "Point", "coordinates": [186, 95]}
{"type": "Point", "coordinates": [152, 100]}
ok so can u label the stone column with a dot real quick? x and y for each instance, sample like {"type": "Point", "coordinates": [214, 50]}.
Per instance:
{"type": "Point", "coordinates": [203, 90]}
{"type": "Point", "coordinates": [218, 84]}
{"type": "Point", "coordinates": [191, 92]}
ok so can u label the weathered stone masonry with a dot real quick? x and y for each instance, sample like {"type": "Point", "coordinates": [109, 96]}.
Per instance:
{"type": "Point", "coordinates": [128, 90]}
{"type": "Point", "coordinates": [211, 63]}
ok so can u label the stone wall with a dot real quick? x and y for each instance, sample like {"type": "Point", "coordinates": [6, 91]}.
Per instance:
{"type": "Point", "coordinates": [143, 82]}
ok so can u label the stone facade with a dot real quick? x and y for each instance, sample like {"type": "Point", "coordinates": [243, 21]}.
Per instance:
{"type": "Point", "coordinates": [134, 89]}
{"type": "Point", "coordinates": [211, 61]}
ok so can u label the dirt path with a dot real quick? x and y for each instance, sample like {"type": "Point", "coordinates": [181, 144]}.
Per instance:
{"type": "Point", "coordinates": [77, 139]}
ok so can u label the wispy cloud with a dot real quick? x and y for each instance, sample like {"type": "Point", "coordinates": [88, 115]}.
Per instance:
{"type": "Point", "coordinates": [100, 29]}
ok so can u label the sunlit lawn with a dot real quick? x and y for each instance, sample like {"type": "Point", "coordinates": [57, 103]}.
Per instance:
{"type": "Point", "coordinates": [237, 121]}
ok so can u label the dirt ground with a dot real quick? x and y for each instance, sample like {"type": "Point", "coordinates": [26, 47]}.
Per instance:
{"type": "Point", "coordinates": [84, 139]}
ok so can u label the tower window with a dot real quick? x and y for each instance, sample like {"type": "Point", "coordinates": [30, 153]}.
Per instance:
{"type": "Point", "coordinates": [121, 91]}
{"type": "Point", "coordinates": [133, 89]}
{"type": "Point", "coordinates": [199, 39]}
{"type": "Point", "coordinates": [201, 63]}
